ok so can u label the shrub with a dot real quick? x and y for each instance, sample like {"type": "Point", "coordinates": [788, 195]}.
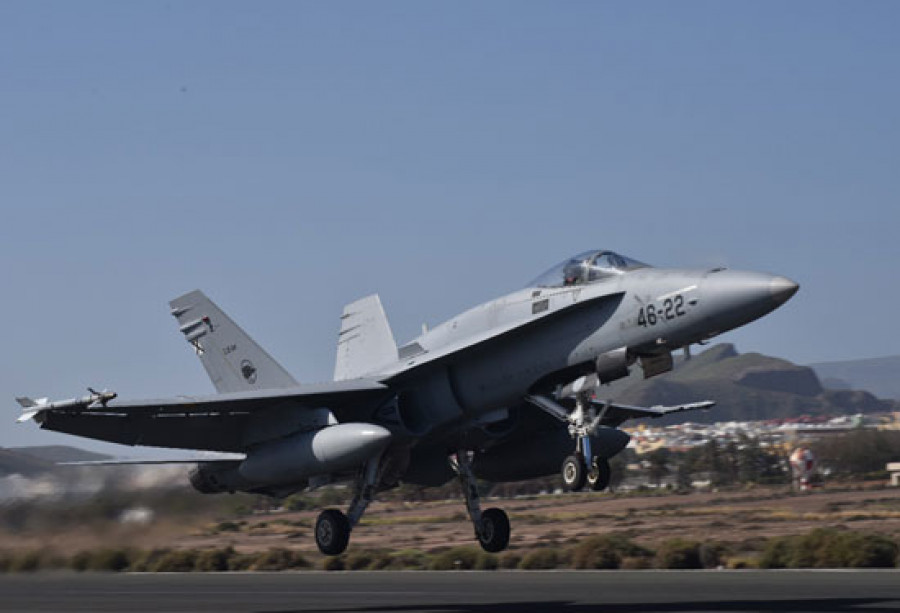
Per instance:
{"type": "Point", "coordinates": [510, 560]}
{"type": "Point", "coordinates": [829, 548]}
{"type": "Point", "coordinates": [358, 560]}
{"type": "Point", "coordinates": [228, 526]}
{"type": "Point", "coordinates": [635, 563]}
{"type": "Point", "coordinates": [333, 563]}
{"type": "Point", "coordinates": [81, 561]}
{"type": "Point", "coordinates": [457, 558]}
{"type": "Point", "coordinates": [30, 561]}
{"type": "Point", "coordinates": [147, 560]}
{"type": "Point", "coordinates": [381, 560]}
{"type": "Point", "coordinates": [408, 559]}
{"type": "Point", "coordinates": [740, 563]}
{"type": "Point", "coordinates": [114, 560]}
{"type": "Point", "coordinates": [873, 551]}
{"type": "Point", "coordinates": [241, 561]}
{"type": "Point", "coordinates": [296, 503]}
{"type": "Point", "coordinates": [712, 554]}
{"type": "Point", "coordinates": [279, 559]}
{"type": "Point", "coordinates": [487, 561]}
{"type": "Point", "coordinates": [211, 560]}
{"type": "Point", "coordinates": [540, 559]}
{"type": "Point", "coordinates": [679, 553]}
{"type": "Point", "coordinates": [605, 551]}
{"type": "Point", "coordinates": [175, 561]}
{"type": "Point", "coordinates": [27, 562]}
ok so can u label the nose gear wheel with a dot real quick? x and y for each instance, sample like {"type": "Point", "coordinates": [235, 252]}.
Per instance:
{"type": "Point", "coordinates": [599, 474]}
{"type": "Point", "coordinates": [574, 473]}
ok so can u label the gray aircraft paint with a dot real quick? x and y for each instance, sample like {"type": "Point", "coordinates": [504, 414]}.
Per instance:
{"type": "Point", "coordinates": [500, 380]}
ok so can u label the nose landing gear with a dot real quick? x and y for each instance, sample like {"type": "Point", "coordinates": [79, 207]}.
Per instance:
{"type": "Point", "coordinates": [599, 474]}
{"type": "Point", "coordinates": [574, 473]}
{"type": "Point", "coordinates": [582, 467]}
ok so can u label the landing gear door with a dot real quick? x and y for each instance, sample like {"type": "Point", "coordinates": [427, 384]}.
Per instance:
{"type": "Point", "coordinates": [656, 364]}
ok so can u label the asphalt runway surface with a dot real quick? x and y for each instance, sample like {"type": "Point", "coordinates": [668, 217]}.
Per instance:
{"type": "Point", "coordinates": [459, 592]}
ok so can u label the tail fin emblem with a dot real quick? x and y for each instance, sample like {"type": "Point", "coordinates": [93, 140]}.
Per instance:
{"type": "Point", "coordinates": [248, 370]}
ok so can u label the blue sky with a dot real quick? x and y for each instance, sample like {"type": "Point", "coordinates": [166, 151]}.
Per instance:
{"type": "Point", "coordinates": [290, 157]}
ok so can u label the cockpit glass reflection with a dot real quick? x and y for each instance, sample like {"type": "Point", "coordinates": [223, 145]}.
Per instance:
{"type": "Point", "coordinates": [587, 267]}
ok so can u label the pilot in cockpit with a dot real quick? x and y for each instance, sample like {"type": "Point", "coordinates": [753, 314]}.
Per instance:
{"type": "Point", "coordinates": [586, 267]}
{"type": "Point", "coordinates": [573, 273]}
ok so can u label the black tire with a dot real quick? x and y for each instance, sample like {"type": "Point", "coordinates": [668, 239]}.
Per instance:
{"type": "Point", "coordinates": [598, 475]}
{"type": "Point", "coordinates": [574, 473]}
{"type": "Point", "coordinates": [494, 533]}
{"type": "Point", "coordinates": [332, 532]}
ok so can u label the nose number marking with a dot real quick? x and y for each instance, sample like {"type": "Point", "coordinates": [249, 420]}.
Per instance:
{"type": "Point", "coordinates": [671, 308]}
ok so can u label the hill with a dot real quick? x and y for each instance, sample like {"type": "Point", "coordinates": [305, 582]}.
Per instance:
{"type": "Point", "coordinates": [34, 461]}
{"type": "Point", "coordinates": [59, 453]}
{"type": "Point", "coordinates": [881, 376]}
{"type": "Point", "coordinates": [15, 463]}
{"type": "Point", "coordinates": [745, 387]}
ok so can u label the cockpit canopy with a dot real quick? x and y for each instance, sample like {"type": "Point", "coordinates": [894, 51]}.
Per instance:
{"type": "Point", "coordinates": [587, 267]}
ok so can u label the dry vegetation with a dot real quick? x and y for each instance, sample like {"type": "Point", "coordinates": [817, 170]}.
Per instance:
{"type": "Point", "coordinates": [759, 526]}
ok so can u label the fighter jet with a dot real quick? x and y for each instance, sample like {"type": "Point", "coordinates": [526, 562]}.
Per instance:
{"type": "Point", "coordinates": [511, 389]}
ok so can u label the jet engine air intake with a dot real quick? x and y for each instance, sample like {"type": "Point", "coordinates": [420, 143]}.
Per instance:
{"type": "Point", "coordinates": [613, 364]}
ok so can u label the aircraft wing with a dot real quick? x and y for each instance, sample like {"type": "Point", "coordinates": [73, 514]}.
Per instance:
{"type": "Point", "coordinates": [214, 423]}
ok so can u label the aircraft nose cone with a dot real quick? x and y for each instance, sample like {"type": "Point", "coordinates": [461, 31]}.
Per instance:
{"type": "Point", "coordinates": [734, 297]}
{"type": "Point", "coordinates": [781, 289]}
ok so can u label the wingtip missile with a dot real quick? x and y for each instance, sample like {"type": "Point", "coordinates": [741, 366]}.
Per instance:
{"type": "Point", "coordinates": [32, 408]}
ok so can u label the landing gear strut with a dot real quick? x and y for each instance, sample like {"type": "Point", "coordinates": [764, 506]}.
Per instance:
{"type": "Point", "coordinates": [333, 527]}
{"type": "Point", "coordinates": [491, 525]}
{"type": "Point", "coordinates": [584, 468]}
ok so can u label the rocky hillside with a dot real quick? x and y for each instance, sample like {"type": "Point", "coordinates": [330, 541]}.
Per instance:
{"type": "Point", "coordinates": [881, 376]}
{"type": "Point", "coordinates": [746, 387]}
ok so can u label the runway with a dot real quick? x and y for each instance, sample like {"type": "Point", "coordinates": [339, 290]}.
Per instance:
{"type": "Point", "coordinates": [459, 592]}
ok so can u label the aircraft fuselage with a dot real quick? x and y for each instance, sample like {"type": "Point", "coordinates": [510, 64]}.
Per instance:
{"type": "Point", "coordinates": [490, 356]}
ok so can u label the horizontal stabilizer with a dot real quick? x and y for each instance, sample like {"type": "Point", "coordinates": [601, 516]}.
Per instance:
{"type": "Point", "coordinates": [610, 413]}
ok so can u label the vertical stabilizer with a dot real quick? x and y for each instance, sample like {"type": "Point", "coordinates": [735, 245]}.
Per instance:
{"type": "Point", "coordinates": [234, 362]}
{"type": "Point", "coordinates": [365, 342]}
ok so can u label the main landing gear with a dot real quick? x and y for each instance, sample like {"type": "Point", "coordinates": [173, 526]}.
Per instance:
{"type": "Point", "coordinates": [491, 525]}
{"type": "Point", "coordinates": [333, 527]}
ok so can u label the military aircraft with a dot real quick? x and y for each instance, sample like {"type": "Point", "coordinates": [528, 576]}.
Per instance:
{"type": "Point", "coordinates": [508, 390]}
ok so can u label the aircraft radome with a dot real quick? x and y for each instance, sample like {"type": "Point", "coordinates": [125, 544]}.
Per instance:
{"type": "Point", "coordinates": [505, 391]}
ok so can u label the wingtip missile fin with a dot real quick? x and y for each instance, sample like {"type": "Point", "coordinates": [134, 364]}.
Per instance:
{"type": "Point", "coordinates": [27, 415]}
